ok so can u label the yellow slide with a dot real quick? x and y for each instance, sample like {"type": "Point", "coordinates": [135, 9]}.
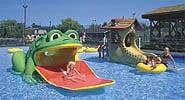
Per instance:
{"type": "Point", "coordinates": [13, 50]}
{"type": "Point", "coordinates": [87, 49]}
{"type": "Point", "coordinates": [146, 68]}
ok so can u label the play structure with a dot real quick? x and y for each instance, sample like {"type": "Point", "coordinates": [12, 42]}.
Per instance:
{"type": "Point", "coordinates": [174, 18]}
{"type": "Point", "coordinates": [145, 68]}
{"type": "Point", "coordinates": [12, 50]}
{"type": "Point", "coordinates": [48, 54]}
{"type": "Point", "coordinates": [122, 45]}
{"type": "Point", "coordinates": [89, 78]}
{"type": "Point", "coordinates": [87, 49]}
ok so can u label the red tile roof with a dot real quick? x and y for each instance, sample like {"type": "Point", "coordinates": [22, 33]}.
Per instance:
{"type": "Point", "coordinates": [120, 23]}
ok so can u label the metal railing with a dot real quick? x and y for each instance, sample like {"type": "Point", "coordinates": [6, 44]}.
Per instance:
{"type": "Point", "coordinates": [147, 41]}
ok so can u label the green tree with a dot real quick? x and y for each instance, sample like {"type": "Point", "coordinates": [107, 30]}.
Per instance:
{"type": "Point", "coordinates": [48, 28]}
{"type": "Point", "coordinates": [94, 27]}
{"type": "Point", "coordinates": [10, 29]}
{"type": "Point", "coordinates": [34, 25]}
{"type": "Point", "coordinates": [69, 23]}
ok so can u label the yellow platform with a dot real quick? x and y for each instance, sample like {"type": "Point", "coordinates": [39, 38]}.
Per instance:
{"type": "Point", "coordinates": [87, 49]}
{"type": "Point", "coordinates": [12, 50]}
{"type": "Point", "coordinates": [90, 49]}
{"type": "Point", "coordinates": [146, 68]}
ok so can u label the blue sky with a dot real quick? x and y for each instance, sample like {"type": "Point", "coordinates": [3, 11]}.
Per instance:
{"type": "Point", "coordinates": [84, 11]}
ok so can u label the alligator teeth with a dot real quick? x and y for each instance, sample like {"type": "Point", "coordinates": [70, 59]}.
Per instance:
{"type": "Point", "coordinates": [49, 53]}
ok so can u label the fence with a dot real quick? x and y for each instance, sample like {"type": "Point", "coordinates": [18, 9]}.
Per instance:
{"type": "Point", "coordinates": [11, 42]}
{"type": "Point", "coordinates": [154, 42]}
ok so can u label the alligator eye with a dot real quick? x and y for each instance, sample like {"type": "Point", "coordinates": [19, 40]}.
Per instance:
{"type": "Point", "coordinates": [54, 36]}
{"type": "Point", "coordinates": [72, 35]}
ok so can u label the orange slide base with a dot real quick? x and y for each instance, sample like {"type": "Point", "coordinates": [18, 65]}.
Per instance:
{"type": "Point", "coordinates": [88, 79]}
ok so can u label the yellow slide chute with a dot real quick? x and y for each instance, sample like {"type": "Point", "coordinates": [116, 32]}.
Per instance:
{"type": "Point", "coordinates": [12, 50]}
{"type": "Point", "coordinates": [146, 68]}
{"type": "Point", "coordinates": [87, 49]}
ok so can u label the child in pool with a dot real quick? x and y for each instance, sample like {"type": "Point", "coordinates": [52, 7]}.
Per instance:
{"type": "Point", "coordinates": [166, 56]}
{"type": "Point", "coordinates": [158, 60]}
{"type": "Point", "coordinates": [100, 50]}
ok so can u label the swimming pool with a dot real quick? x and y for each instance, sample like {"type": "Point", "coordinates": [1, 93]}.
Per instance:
{"type": "Point", "coordinates": [130, 83]}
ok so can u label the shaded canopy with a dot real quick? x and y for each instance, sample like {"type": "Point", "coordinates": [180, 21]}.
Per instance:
{"type": "Point", "coordinates": [122, 24]}
{"type": "Point", "coordinates": [170, 13]}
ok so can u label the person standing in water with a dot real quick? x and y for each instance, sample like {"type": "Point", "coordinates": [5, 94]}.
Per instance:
{"type": "Point", "coordinates": [100, 50]}
{"type": "Point", "coordinates": [166, 56]}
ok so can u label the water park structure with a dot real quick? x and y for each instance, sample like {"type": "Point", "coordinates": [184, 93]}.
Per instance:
{"type": "Point", "coordinates": [122, 45]}
{"type": "Point", "coordinates": [167, 27]}
{"type": "Point", "coordinates": [51, 52]}
{"type": "Point", "coordinates": [92, 50]}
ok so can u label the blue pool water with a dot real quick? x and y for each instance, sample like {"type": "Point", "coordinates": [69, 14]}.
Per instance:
{"type": "Point", "coordinates": [130, 83]}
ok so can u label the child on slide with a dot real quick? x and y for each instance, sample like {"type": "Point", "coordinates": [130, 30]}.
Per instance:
{"type": "Point", "coordinates": [72, 73]}
{"type": "Point", "coordinates": [150, 61]}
